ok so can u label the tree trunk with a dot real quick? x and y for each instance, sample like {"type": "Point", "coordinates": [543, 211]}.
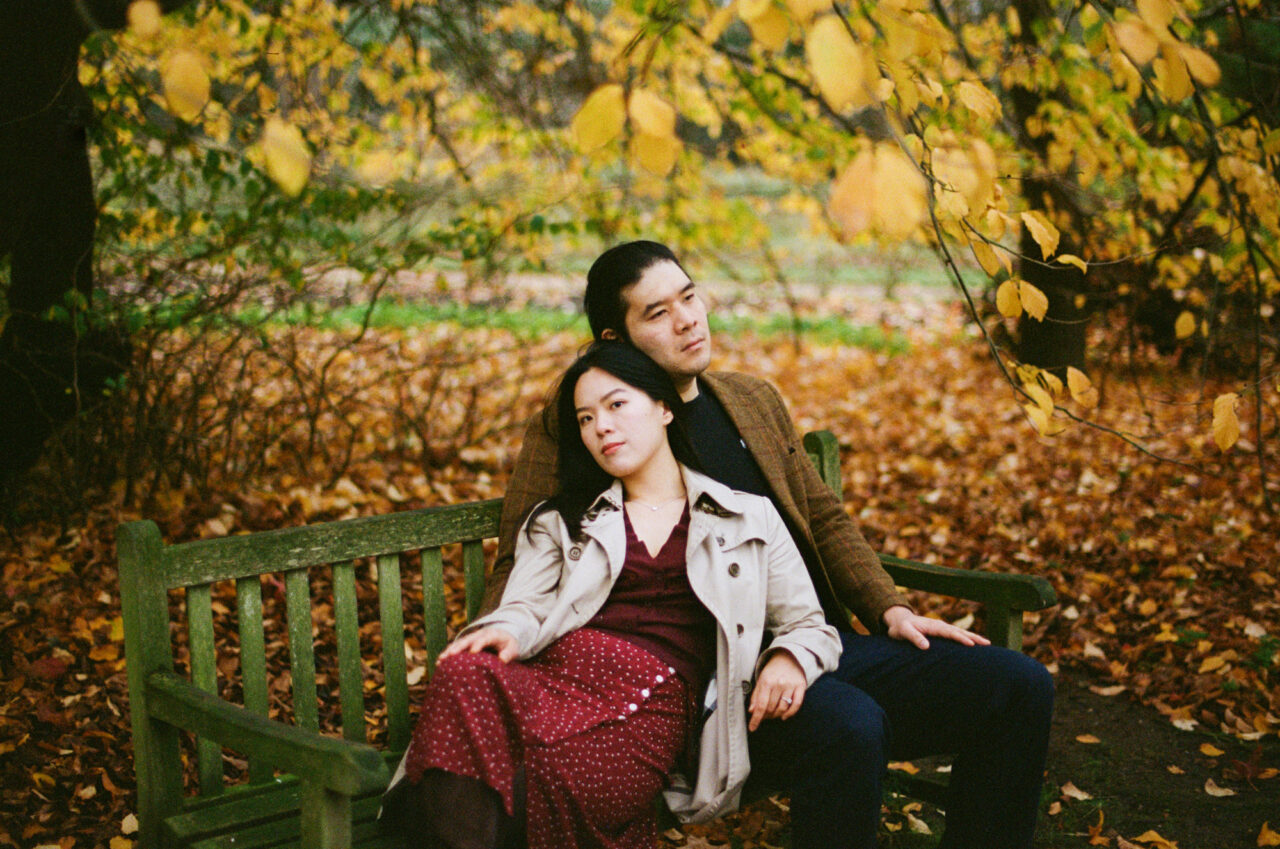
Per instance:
{"type": "Point", "coordinates": [53, 363]}
{"type": "Point", "coordinates": [1058, 340]}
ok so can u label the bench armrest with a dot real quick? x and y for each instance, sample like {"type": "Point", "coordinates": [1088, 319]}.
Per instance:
{"type": "Point", "coordinates": [338, 765]}
{"type": "Point", "coordinates": [1011, 590]}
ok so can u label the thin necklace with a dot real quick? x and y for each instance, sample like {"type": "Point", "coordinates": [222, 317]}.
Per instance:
{"type": "Point", "coordinates": [652, 507]}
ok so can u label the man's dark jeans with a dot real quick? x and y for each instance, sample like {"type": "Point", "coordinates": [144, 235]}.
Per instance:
{"type": "Point", "coordinates": [888, 700]}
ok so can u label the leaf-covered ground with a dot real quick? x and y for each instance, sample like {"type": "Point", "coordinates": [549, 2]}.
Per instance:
{"type": "Point", "coordinates": [1166, 640]}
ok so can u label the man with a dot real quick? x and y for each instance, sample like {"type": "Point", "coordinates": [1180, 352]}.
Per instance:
{"type": "Point", "coordinates": [896, 693]}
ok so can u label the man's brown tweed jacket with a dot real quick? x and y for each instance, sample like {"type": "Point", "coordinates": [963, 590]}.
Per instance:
{"type": "Point", "coordinates": [845, 571]}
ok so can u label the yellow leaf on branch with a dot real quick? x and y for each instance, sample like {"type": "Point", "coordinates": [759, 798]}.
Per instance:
{"type": "Point", "coordinates": [1033, 300]}
{"type": "Point", "coordinates": [749, 10]}
{"type": "Point", "coordinates": [1137, 41]}
{"type": "Point", "coordinates": [601, 118]}
{"type": "Point", "coordinates": [186, 85]}
{"type": "Point", "coordinates": [838, 64]}
{"type": "Point", "coordinates": [1042, 230]}
{"type": "Point", "coordinates": [288, 161]}
{"type": "Point", "coordinates": [1071, 259]}
{"type": "Point", "coordinates": [803, 10]}
{"type": "Point", "coordinates": [1157, 14]}
{"type": "Point", "coordinates": [655, 154]}
{"type": "Point", "coordinates": [1172, 78]}
{"type": "Point", "coordinates": [771, 28]}
{"type": "Point", "coordinates": [1043, 424]}
{"type": "Point", "coordinates": [651, 114]}
{"type": "Point", "coordinates": [986, 257]}
{"type": "Point", "coordinates": [979, 100]}
{"type": "Point", "coordinates": [1185, 325]}
{"type": "Point", "coordinates": [879, 192]}
{"type": "Point", "coordinates": [1081, 388]}
{"type": "Point", "coordinates": [1226, 427]}
{"type": "Point", "coordinates": [1267, 836]}
{"type": "Point", "coordinates": [1042, 398]}
{"type": "Point", "coordinates": [1201, 65]}
{"type": "Point", "coordinates": [145, 19]}
{"type": "Point", "coordinates": [1007, 300]}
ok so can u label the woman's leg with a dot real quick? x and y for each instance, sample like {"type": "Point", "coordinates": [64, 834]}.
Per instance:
{"type": "Point", "coordinates": [598, 788]}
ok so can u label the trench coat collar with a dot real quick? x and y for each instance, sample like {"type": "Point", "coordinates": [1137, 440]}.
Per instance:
{"type": "Point", "coordinates": [705, 494]}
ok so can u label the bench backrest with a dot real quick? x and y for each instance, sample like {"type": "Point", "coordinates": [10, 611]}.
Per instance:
{"type": "Point", "coordinates": [314, 577]}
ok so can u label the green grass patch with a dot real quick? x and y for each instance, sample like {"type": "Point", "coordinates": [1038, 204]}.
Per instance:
{"type": "Point", "coordinates": [529, 322]}
{"type": "Point", "coordinates": [538, 322]}
{"type": "Point", "coordinates": [824, 331]}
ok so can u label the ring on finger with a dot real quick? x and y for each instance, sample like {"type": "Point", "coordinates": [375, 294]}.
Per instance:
{"type": "Point", "coordinates": [786, 701]}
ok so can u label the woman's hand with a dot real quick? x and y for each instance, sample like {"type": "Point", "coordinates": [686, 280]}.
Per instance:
{"type": "Point", "coordinates": [779, 690]}
{"type": "Point", "coordinates": [496, 640]}
{"type": "Point", "coordinates": [902, 624]}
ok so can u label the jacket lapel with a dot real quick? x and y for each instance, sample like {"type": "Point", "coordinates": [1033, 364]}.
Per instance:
{"type": "Point", "coordinates": [762, 442]}
{"type": "Point", "coordinates": [603, 523]}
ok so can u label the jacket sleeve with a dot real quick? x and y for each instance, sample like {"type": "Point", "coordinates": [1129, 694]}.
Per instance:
{"type": "Point", "coordinates": [532, 583]}
{"type": "Point", "coordinates": [792, 611]}
{"type": "Point", "coordinates": [859, 581]}
{"type": "Point", "coordinates": [533, 480]}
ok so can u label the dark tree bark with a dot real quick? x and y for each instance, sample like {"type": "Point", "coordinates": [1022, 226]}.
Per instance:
{"type": "Point", "coordinates": [49, 367]}
{"type": "Point", "coordinates": [1058, 340]}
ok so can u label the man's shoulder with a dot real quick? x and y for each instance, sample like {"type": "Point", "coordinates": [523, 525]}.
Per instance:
{"type": "Point", "coordinates": [736, 381]}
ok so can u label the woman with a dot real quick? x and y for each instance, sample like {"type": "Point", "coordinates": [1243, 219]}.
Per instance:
{"type": "Point", "coordinates": [639, 583]}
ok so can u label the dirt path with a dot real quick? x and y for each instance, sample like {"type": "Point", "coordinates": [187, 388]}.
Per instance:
{"type": "Point", "coordinates": [1146, 775]}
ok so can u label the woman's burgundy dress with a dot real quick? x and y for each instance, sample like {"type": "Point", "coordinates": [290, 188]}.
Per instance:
{"type": "Point", "coordinates": [597, 720]}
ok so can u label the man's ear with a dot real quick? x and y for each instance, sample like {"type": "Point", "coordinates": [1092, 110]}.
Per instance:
{"type": "Point", "coordinates": [667, 416]}
{"type": "Point", "coordinates": [609, 333]}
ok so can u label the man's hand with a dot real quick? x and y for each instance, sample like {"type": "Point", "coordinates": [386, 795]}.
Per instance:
{"type": "Point", "coordinates": [902, 624]}
{"type": "Point", "coordinates": [779, 690]}
{"type": "Point", "coordinates": [496, 640]}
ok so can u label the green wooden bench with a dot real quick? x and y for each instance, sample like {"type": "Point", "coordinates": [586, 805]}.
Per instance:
{"type": "Point", "coordinates": [296, 784]}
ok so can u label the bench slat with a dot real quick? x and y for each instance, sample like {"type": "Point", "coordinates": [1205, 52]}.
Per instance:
{"type": "Point", "coordinates": [347, 626]}
{"type": "Point", "coordinates": [302, 655]}
{"type": "Point", "coordinates": [473, 575]}
{"type": "Point", "coordinates": [434, 616]}
{"type": "Point", "coordinates": [394, 667]}
{"type": "Point", "coordinates": [209, 560]}
{"type": "Point", "coordinates": [280, 827]}
{"type": "Point", "coordinates": [253, 658]}
{"type": "Point", "coordinates": [204, 674]}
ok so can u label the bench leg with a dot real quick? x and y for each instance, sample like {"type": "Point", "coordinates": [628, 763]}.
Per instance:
{"type": "Point", "coordinates": [326, 818]}
{"type": "Point", "coordinates": [1004, 626]}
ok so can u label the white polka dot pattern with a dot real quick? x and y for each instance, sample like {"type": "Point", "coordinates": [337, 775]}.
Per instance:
{"type": "Point", "coordinates": [596, 722]}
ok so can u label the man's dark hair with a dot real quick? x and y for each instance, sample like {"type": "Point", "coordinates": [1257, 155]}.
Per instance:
{"type": "Point", "coordinates": [581, 478]}
{"type": "Point", "coordinates": [614, 270]}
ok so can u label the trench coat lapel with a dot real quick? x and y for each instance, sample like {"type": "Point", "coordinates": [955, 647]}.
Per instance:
{"type": "Point", "coordinates": [603, 523]}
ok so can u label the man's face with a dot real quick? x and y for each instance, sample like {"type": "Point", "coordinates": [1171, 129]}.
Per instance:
{"type": "Point", "coordinates": [667, 320]}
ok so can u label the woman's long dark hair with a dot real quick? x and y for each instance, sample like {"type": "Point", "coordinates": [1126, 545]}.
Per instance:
{"type": "Point", "coordinates": [581, 478]}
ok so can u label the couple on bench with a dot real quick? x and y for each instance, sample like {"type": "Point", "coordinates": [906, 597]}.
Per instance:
{"type": "Point", "coordinates": [666, 614]}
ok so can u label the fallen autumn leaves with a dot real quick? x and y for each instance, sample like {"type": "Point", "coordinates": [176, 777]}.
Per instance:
{"type": "Point", "coordinates": [1165, 576]}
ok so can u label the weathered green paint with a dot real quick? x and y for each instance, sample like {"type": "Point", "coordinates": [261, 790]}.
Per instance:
{"type": "Point", "coordinates": [337, 802]}
{"type": "Point", "coordinates": [350, 668]}
{"type": "Point", "coordinates": [302, 655]}
{"type": "Point", "coordinates": [394, 667]}
{"type": "Point", "coordinates": [253, 658]}
{"type": "Point", "coordinates": [204, 674]}
{"type": "Point", "coordinates": [434, 615]}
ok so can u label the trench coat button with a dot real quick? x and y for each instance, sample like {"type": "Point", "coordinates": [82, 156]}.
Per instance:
{"type": "Point", "coordinates": [720, 540]}
{"type": "Point", "coordinates": [740, 629]}
{"type": "Point", "coordinates": [734, 569]}
{"type": "Point", "coordinates": [575, 553]}
{"type": "Point", "coordinates": [746, 687]}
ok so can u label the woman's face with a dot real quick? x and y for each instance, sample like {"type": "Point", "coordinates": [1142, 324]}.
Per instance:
{"type": "Point", "coordinates": [622, 427]}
